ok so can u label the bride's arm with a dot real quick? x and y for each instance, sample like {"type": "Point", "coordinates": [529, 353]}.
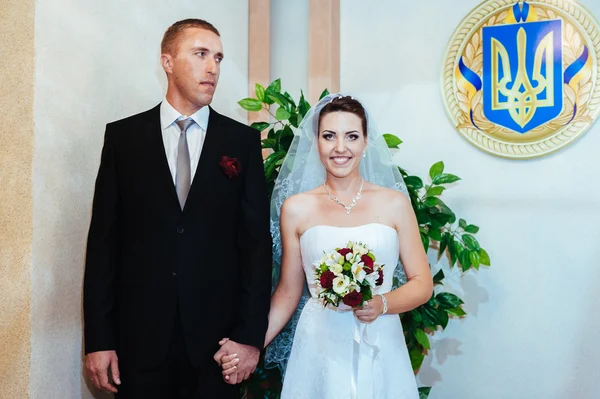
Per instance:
{"type": "Point", "coordinates": [419, 286]}
{"type": "Point", "coordinates": [287, 294]}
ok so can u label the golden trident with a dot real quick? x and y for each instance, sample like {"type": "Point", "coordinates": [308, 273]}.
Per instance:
{"type": "Point", "coordinates": [522, 101]}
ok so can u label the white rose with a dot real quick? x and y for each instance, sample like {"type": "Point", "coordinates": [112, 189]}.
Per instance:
{"type": "Point", "coordinates": [349, 256]}
{"type": "Point", "coordinates": [340, 285]}
{"type": "Point", "coordinates": [358, 272]}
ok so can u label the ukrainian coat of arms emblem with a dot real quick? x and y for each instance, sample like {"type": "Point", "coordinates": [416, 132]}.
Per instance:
{"type": "Point", "coordinates": [521, 78]}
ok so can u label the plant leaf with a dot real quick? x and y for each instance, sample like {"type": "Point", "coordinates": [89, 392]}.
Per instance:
{"type": "Point", "coordinates": [471, 242]}
{"type": "Point", "coordinates": [457, 312]}
{"type": "Point", "coordinates": [448, 300]}
{"type": "Point", "coordinates": [392, 140]}
{"type": "Point", "coordinates": [424, 392]}
{"type": "Point", "coordinates": [439, 276]}
{"type": "Point", "coordinates": [436, 169]}
{"type": "Point", "coordinates": [472, 229]}
{"type": "Point", "coordinates": [260, 92]}
{"type": "Point", "coordinates": [323, 94]}
{"type": "Point", "coordinates": [445, 178]}
{"type": "Point", "coordinates": [435, 234]}
{"type": "Point", "coordinates": [269, 143]}
{"type": "Point", "coordinates": [414, 182]}
{"type": "Point", "coordinates": [434, 191]}
{"type": "Point", "coordinates": [303, 106]}
{"type": "Point", "coordinates": [282, 114]}
{"type": "Point", "coordinates": [275, 86]}
{"type": "Point", "coordinates": [474, 257]}
{"type": "Point", "coordinates": [484, 258]}
{"type": "Point", "coordinates": [250, 104]}
{"type": "Point", "coordinates": [462, 223]}
{"type": "Point", "coordinates": [416, 357]}
{"type": "Point", "coordinates": [422, 338]}
{"type": "Point", "coordinates": [260, 126]}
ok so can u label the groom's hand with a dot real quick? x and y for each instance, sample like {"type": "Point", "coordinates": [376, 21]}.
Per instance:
{"type": "Point", "coordinates": [248, 359]}
{"type": "Point", "coordinates": [97, 365]}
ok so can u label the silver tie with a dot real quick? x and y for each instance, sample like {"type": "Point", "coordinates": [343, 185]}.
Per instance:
{"type": "Point", "coordinates": [183, 172]}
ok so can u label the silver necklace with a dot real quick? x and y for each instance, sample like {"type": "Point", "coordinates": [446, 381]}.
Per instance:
{"type": "Point", "coordinates": [337, 200]}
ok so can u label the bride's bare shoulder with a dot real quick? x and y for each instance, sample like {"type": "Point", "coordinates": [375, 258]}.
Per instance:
{"type": "Point", "coordinates": [299, 205]}
{"type": "Point", "coordinates": [389, 197]}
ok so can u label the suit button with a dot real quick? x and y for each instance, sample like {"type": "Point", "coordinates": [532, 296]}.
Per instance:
{"type": "Point", "coordinates": [180, 230]}
{"type": "Point", "coordinates": [174, 274]}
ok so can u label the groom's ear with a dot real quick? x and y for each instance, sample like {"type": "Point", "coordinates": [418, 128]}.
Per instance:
{"type": "Point", "coordinates": [167, 62]}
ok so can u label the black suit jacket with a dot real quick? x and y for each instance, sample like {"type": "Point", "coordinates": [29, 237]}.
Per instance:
{"type": "Point", "coordinates": [145, 256]}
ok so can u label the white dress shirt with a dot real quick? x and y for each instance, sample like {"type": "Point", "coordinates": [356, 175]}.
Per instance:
{"type": "Point", "coordinates": [196, 134]}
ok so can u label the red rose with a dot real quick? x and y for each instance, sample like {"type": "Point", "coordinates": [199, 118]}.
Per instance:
{"type": "Point", "coordinates": [327, 279]}
{"type": "Point", "coordinates": [344, 251]}
{"type": "Point", "coordinates": [368, 262]}
{"type": "Point", "coordinates": [380, 279]}
{"type": "Point", "coordinates": [353, 299]}
{"type": "Point", "coordinates": [231, 166]}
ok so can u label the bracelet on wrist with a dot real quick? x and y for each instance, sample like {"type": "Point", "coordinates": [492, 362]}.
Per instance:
{"type": "Point", "coordinates": [385, 305]}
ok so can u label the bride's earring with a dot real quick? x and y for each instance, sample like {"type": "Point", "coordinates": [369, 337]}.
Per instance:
{"type": "Point", "coordinates": [364, 153]}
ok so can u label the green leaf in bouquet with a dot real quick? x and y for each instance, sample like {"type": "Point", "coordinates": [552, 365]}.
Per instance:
{"type": "Point", "coordinates": [414, 182]}
{"type": "Point", "coordinates": [422, 338]}
{"type": "Point", "coordinates": [472, 229]}
{"type": "Point", "coordinates": [250, 104]}
{"type": "Point", "coordinates": [436, 169]}
{"type": "Point", "coordinates": [323, 94]}
{"type": "Point", "coordinates": [367, 293]}
{"type": "Point", "coordinates": [260, 92]}
{"type": "Point", "coordinates": [392, 140]}
{"type": "Point", "coordinates": [470, 242]}
{"type": "Point", "coordinates": [457, 311]}
{"type": "Point", "coordinates": [445, 178]}
{"type": "Point", "coordinates": [484, 258]}
{"type": "Point", "coordinates": [439, 276]}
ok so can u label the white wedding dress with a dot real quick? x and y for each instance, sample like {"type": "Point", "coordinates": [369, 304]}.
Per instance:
{"type": "Point", "coordinates": [335, 356]}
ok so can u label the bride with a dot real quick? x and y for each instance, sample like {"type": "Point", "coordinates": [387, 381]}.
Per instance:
{"type": "Point", "coordinates": [338, 184]}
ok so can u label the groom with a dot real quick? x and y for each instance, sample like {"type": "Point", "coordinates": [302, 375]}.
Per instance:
{"type": "Point", "coordinates": [179, 250]}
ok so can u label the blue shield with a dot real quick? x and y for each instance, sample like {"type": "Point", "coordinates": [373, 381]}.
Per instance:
{"type": "Point", "coordinates": [522, 74]}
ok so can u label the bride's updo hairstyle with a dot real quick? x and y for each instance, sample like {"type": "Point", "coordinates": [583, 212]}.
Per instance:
{"type": "Point", "coordinates": [345, 104]}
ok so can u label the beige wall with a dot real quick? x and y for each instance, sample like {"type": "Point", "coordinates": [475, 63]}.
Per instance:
{"type": "Point", "coordinates": [16, 149]}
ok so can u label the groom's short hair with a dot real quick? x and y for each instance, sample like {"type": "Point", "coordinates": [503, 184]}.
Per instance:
{"type": "Point", "coordinates": [171, 37]}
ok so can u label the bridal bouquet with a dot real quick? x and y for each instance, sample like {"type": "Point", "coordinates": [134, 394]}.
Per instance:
{"type": "Point", "coordinates": [348, 275]}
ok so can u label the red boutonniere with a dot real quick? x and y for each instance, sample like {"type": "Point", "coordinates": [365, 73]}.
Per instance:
{"type": "Point", "coordinates": [231, 166]}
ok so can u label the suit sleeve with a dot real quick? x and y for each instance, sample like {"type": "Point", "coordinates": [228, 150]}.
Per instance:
{"type": "Point", "coordinates": [255, 246]}
{"type": "Point", "coordinates": [102, 255]}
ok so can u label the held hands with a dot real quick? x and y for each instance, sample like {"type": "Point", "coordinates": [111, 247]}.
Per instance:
{"type": "Point", "coordinates": [238, 361]}
{"type": "Point", "coordinates": [98, 364]}
{"type": "Point", "coordinates": [371, 310]}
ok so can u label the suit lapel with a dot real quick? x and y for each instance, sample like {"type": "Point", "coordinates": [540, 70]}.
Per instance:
{"type": "Point", "coordinates": [158, 152]}
{"type": "Point", "coordinates": [209, 157]}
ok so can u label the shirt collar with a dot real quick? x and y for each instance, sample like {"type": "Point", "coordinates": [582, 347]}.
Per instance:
{"type": "Point", "coordinates": [168, 115]}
